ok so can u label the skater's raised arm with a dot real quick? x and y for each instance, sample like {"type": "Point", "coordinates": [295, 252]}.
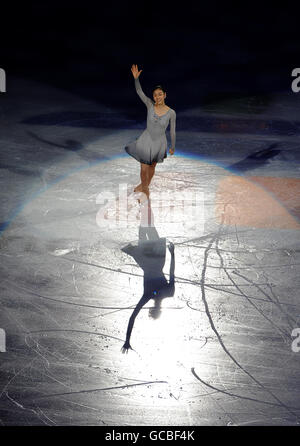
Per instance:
{"type": "Point", "coordinates": [173, 131]}
{"type": "Point", "coordinates": [136, 73]}
{"type": "Point", "coordinates": [144, 299]}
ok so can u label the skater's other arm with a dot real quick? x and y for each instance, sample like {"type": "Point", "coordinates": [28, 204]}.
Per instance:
{"type": "Point", "coordinates": [173, 131]}
{"type": "Point", "coordinates": [147, 101]}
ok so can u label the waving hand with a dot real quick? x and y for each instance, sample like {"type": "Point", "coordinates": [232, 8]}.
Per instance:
{"type": "Point", "coordinates": [135, 71]}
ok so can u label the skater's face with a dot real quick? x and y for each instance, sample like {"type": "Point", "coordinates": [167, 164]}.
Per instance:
{"type": "Point", "coordinates": [159, 96]}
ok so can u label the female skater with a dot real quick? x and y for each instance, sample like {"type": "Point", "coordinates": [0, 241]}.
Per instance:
{"type": "Point", "coordinates": [151, 146]}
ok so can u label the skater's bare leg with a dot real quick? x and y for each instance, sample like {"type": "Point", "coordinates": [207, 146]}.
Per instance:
{"type": "Point", "coordinates": [144, 182]}
{"type": "Point", "coordinates": [151, 171]}
{"type": "Point", "coordinates": [139, 187]}
{"type": "Point", "coordinates": [145, 179]}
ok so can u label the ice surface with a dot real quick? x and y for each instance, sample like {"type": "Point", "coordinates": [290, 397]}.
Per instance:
{"type": "Point", "coordinates": [220, 352]}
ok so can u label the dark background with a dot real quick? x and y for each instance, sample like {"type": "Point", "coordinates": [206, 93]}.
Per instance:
{"type": "Point", "coordinates": [199, 51]}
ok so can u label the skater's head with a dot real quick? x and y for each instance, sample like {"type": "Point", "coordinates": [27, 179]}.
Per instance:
{"type": "Point", "coordinates": [159, 94]}
{"type": "Point", "coordinates": [154, 312]}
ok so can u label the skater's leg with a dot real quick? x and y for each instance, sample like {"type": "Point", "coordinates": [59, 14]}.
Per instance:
{"type": "Point", "coordinates": [145, 172]}
{"type": "Point", "coordinates": [139, 187]}
{"type": "Point", "coordinates": [151, 172]}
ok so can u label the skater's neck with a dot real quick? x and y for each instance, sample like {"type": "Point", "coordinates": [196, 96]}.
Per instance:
{"type": "Point", "coordinates": [160, 105]}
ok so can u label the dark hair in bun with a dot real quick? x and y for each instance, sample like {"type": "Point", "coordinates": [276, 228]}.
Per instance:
{"type": "Point", "coordinates": [160, 87]}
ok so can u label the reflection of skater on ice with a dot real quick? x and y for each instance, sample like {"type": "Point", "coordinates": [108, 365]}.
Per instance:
{"type": "Point", "coordinates": [150, 254]}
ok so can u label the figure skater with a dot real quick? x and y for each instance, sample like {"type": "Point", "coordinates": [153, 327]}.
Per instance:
{"type": "Point", "coordinates": [151, 146]}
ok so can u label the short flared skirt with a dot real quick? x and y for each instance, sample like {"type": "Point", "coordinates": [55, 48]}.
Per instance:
{"type": "Point", "coordinates": [147, 150]}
